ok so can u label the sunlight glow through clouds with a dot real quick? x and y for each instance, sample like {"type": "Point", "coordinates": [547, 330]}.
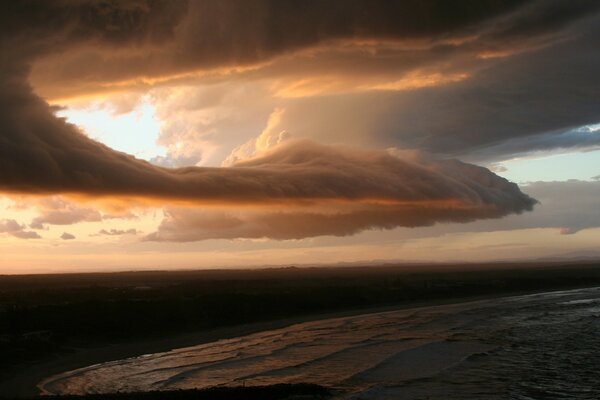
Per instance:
{"type": "Point", "coordinates": [134, 132]}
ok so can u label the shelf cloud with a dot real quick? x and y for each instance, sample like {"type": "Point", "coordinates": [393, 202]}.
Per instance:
{"type": "Point", "coordinates": [357, 190]}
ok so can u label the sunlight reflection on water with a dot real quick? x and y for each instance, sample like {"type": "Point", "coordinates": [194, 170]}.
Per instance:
{"type": "Point", "coordinates": [525, 347]}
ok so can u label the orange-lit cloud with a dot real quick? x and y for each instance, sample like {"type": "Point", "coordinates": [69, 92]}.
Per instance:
{"type": "Point", "coordinates": [13, 228]}
{"type": "Point", "coordinates": [188, 224]}
{"type": "Point", "coordinates": [425, 190]}
{"type": "Point", "coordinates": [315, 86]}
{"type": "Point", "coordinates": [57, 211]}
{"type": "Point", "coordinates": [326, 75]}
{"type": "Point", "coordinates": [106, 48]}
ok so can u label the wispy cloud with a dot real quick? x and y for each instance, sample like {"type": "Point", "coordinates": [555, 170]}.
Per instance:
{"type": "Point", "coordinates": [13, 228]}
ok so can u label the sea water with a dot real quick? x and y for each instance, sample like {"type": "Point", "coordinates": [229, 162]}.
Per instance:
{"type": "Point", "coordinates": [539, 346]}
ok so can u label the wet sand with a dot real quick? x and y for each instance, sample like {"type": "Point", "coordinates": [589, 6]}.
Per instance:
{"type": "Point", "coordinates": [24, 383]}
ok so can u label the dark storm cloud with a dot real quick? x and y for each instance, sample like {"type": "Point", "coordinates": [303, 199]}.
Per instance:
{"type": "Point", "coordinates": [186, 225]}
{"type": "Point", "coordinates": [45, 26]}
{"type": "Point", "coordinates": [128, 41]}
{"type": "Point", "coordinates": [121, 37]}
{"type": "Point", "coordinates": [425, 191]}
{"type": "Point", "coordinates": [549, 92]}
{"type": "Point", "coordinates": [91, 44]}
{"type": "Point", "coordinates": [539, 18]}
{"type": "Point", "coordinates": [576, 139]}
{"type": "Point", "coordinates": [42, 154]}
{"type": "Point", "coordinates": [531, 101]}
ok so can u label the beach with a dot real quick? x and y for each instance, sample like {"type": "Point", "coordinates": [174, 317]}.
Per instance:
{"type": "Point", "coordinates": [24, 383]}
{"type": "Point", "coordinates": [103, 318]}
{"type": "Point", "coordinates": [471, 348]}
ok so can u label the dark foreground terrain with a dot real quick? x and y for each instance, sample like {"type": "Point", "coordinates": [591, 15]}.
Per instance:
{"type": "Point", "coordinates": [48, 318]}
{"type": "Point", "coordinates": [272, 392]}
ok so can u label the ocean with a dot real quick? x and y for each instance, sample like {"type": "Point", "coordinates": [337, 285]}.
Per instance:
{"type": "Point", "coordinates": [538, 346]}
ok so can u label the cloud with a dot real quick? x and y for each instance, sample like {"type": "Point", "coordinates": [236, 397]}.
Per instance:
{"type": "Point", "coordinates": [527, 102]}
{"type": "Point", "coordinates": [548, 85]}
{"type": "Point", "coordinates": [41, 154]}
{"type": "Point", "coordinates": [67, 236]}
{"type": "Point", "coordinates": [270, 137]}
{"type": "Point", "coordinates": [568, 207]}
{"type": "Point", "coordinates": [415, 190]}
{"type": "Point", "coordinates": [388, 190]}
{"type": "Point", "coordinates": [100, 44]}
{"type": "Point", "coordinates": [568, 231]}
{"type": "Point", "coordinates": [57, 211]}
{"type": "Point", "coordinates": [200, 124]}
{"type": "Point", "coordinates": [172, 38]}
{"type": "Point", "coordinates": [185, 225]}
{"type": "Point", "coordinates": [13, 228]}
{"type": "Point", "coordinates": [118, 232]}
{"type": "Point", "coordinates": [572, 140]}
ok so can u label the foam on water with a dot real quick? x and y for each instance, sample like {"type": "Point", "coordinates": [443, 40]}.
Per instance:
{"type": "Point", "coordinates": [523, 347]}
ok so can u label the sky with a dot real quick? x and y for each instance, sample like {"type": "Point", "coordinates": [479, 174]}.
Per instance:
{"type": "Point", "coordinates": [226, 133]}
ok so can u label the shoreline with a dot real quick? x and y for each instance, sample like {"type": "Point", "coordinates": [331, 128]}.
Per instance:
{"type": "Point", "coordinates": [28, 382]}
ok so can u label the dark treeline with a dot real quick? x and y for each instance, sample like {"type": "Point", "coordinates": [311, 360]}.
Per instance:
{"type": "Point", "coordinates": [46, 314]}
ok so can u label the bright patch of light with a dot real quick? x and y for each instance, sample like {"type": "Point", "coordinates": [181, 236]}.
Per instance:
{"type": "Point", "coordinates": [134, 132]}
{"type": "Point", "coordinates": [592, 128]}
{"type": "Point", "coordinates": [557, 167]}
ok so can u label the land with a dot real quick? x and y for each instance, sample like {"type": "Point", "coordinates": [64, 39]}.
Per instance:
{"type": "Point", "coordinates": [300, 391]}
{"type": "Point", "coordinates": [53, 323]}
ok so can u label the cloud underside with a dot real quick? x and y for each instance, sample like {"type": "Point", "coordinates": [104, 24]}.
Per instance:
{"type": "Point", "coordinates": [559, 209]}
{"type": "Point", "coordinates": [297, 189]}
{"type": "Point", "coordinates": [155, 40]}
{"type": "Point", "coordinates": [186, 225]}
{"type": "Point", "coordinates": [315, 189]}
{"type": "Point", "coordinates": [41, 154]}
{"type": "Point", "coordinates": [501, 74]}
